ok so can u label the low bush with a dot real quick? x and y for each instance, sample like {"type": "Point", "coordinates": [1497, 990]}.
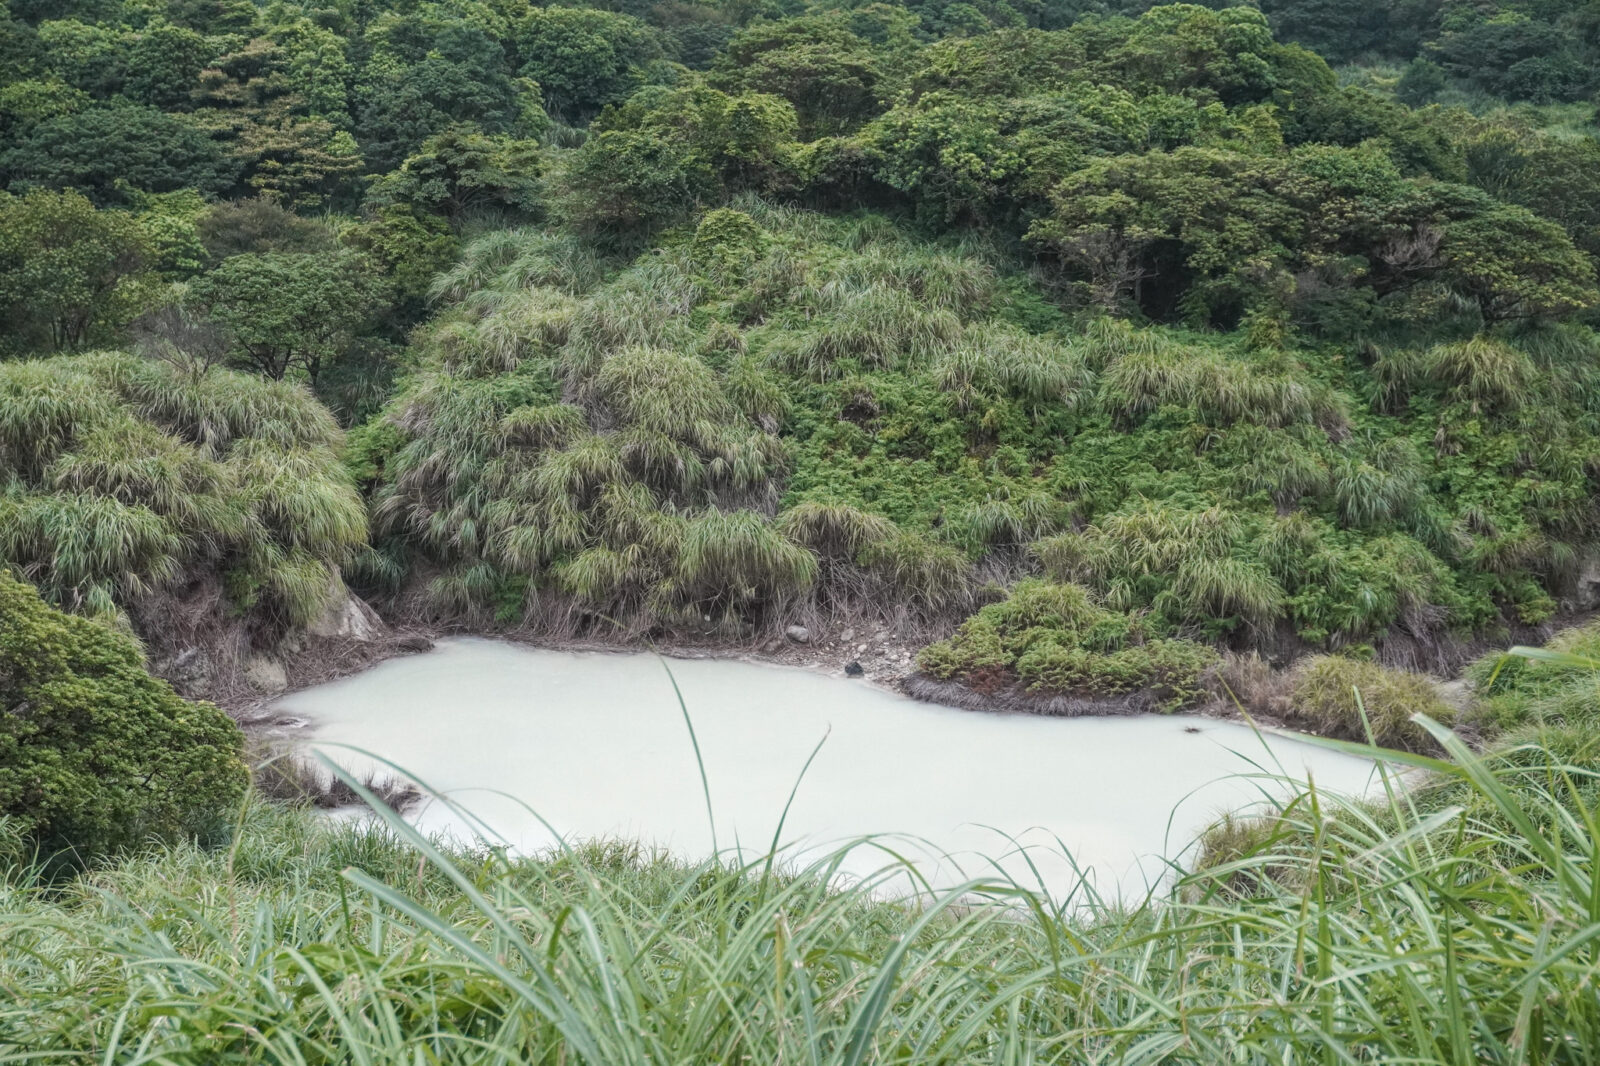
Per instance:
{"type": "Point", "coordinates": [1056, 639]}
{"type": "Point", "coordinates": [95, 754]}
{"type": "Point", "coordinates": [1172, 673]}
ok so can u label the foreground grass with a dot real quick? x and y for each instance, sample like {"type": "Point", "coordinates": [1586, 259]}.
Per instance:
{"type": "Point", "coordinates": [1419, 931]}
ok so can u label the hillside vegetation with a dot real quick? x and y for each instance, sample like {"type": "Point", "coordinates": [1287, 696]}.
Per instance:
{"type": "Point", "coordinates": [1117, 355]}
{"type": "Point", "coordinates": [125, 476]}
{"type": "Point", "coordinates": [651, 324]}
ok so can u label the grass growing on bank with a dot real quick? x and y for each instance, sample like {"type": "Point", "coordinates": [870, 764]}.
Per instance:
{"type": "Point", "coordinates": [1451, 931]}
{"type": "Point", "coordinates": [777, 416]}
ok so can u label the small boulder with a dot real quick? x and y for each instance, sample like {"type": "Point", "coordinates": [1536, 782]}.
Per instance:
{"type": "Point", "coordinates": [346, 617]}
{"type": "Point", "coordinates": [853, 669]}
{"type": "Point", "coordinates": [414, 642]}
{"type": "Point", "coordinates": [266, 674]}
{"type": "Point", "coordinates": [798, 634]}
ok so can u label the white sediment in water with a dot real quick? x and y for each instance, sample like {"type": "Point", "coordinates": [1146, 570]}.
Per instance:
{"type": "Point", "coordinates": [596, 746]}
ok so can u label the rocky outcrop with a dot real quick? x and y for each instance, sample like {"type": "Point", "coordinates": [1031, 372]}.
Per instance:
{"type": "Point", "coordinates": [206, 653]}
{"type": "Point", "coordinates": [1586, 587]}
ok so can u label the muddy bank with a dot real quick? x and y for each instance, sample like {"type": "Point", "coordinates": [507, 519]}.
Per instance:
{"type": "Point", "coordinates": [880, 657]}
{"type": "Point", "coordinates": [867, 649]}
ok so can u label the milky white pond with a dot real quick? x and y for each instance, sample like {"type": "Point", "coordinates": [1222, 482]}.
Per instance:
{"type": "Point", "coordinates": [595, 745]}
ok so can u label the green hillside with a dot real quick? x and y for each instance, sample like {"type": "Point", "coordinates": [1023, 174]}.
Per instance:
{"type": "Point", "coordinates": [1113, 357]}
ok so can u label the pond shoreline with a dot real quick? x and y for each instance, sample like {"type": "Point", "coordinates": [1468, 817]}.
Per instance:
{"type": "Point", "coordinates": [886, 663]}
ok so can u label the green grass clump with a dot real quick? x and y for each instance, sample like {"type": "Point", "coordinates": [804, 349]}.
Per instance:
{"type": "Point", "coordinates": [1552, 686]}
{"type": "Point", "coordinates": [123, 476]}
{"type": "Point", "coordinates": [1185, 564]}
{"type": "Point", "coordinates": [1337, 696]}
{"type": "Point", "coordinates": [1484, 372]}
{"type": "Point", "coordinates": [1056, 639]}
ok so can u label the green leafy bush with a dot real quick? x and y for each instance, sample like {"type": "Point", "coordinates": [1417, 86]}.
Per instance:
{"type": "Point", "coordinates": [95, 754]}
{"type": "Point", "coordinates": [1056, 639]}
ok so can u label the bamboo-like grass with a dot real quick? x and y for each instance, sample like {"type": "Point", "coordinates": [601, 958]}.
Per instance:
{"type": "Point", "coordinates": [1447, 924]}
{"type": "Point", "coordinates": [124, 475]}
{"type": "Point", "coordinates": [1487, 372]}
{"type": "Point", "coordinates": [996, 360]}
{"type": "Point", "coordinates": [1186, 563]}
{"type": "Point", "coordinates": [835, 530]}
{"type": "Point", "coordinates": [1143, 374]}
{"type": "Point", "coordinates": [876, 326]}
{"type": "Point", "coordinates": [510, 259]}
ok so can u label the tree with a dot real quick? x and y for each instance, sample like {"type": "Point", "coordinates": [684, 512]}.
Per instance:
{"type": "Point", "coordinates": [287, 311]}
{"type": "Point", "coordinates": [583, 59]}
{"type": "Point", "coordinates": [464, 170]}
{"type": "Point", "coordinates": [259, 225]}
{"type": "Point", "coordinates": [625, 180]}
{"type": "Point", "coordinates": [103, 149]}
{"type": "Point", "coordinates": [1555, 177]}
{"type": "Point", "coordinates": [411, 249]}
{"type": "Point", "coordinates": [1192, 49]}
{"type": "Point", "coordinates": [22, 103]}
{"type": "Point", "coordinates": [69, 274]}
{"type": "Point", "coordinates": [289, 146]}
{"type": "Point", "coordinates": [88, 56]}
{"type": "Point", "coordinates": [828, 73]}
{"type": "Point", "coordinates": [96, 754]}
{"type": "Point", "coordinates": [1340, 30]}
{"type": "Point", "coordinates": [164, 65]}
{"type": "Point", "coordinates": [422, 80]}
{"type": "Point", "coordinates": [1514, 264]}
{"type": "Point", "coordinates": [650, 160]}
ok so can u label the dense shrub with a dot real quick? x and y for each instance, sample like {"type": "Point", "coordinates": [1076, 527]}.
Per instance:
{"type": "Point", "coordinates": [95, 754]}
{"type": "Point", "coordinates": [1057, 640]}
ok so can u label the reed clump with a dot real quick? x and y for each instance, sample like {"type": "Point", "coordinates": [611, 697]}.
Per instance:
{"type": "Point", "coordinates": [125, 476]}
{"type": "Point", "coordinates": [1336, 696]}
